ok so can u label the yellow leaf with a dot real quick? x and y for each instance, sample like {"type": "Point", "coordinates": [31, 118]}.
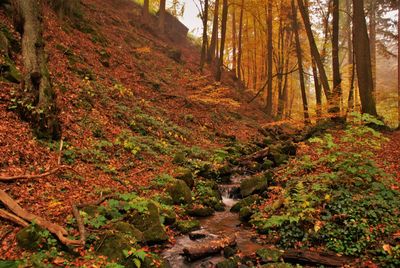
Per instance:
{"type": "Point", "coordinates": [387, 248]}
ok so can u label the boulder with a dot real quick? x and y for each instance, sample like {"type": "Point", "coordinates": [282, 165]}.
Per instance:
{"type": "Point", "coordinates": [169, 216]}
{"type": "Point", "coordinates": [112, 245]}
{"type": "Point", "coordinates": [245, 214]}
{"type": "Point", "coordinates": [269, 255]}
{"type": "Point", "coordinates": [186, 175]}
{"type": "Point", "coordinates": [246, 202]}
{"type": "Point", "coordinates": [200, 211]}
{"type": "Point", "coordinates": [180, 192]}
{"type": "Point", "coordinates": [129, 230]}
{"type": "Point", "coordinates": [256, 184]}
{"type": "Point", "coordinates": [229, 263]}
{"type": "Point", "coordinates": [148, 222]}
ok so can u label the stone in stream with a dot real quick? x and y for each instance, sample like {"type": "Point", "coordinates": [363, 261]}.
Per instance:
{"type": "Point", "coordinates": [200, 211]}
{"type": "Point", "coordinates": [229, 263]}
{"type": "Point", "coordinates": [256, 184]}
{"type": "Point", "coordinates": [197, 235]}
{"type": "Point", "coordinates": [245, 214]}
{"type": "Point", "coordinates": [187, 226]}
{"type": "Point", "coordinates": [269, 255]}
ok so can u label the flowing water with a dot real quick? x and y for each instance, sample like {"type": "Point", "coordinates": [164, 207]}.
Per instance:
{"type": "Point", "coordinates": [220, 224]}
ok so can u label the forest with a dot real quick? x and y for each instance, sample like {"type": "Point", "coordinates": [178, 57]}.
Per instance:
{"type": "Point", "coordinates": [199, 133]}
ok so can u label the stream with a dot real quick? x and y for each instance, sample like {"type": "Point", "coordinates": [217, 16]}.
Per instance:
{"type": "Point", "coordinates": [220, 224]}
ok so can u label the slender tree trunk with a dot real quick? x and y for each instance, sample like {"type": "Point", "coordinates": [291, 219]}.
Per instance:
{"type": "Point", "coordinates": [363, 58]}
{"type": "Point", "coordinates": [234, 55]}
{"type": "Point", "coordinates": [314, 51]}
{"type": "Point", "coordinates": [372, 38]}
{"type": "Point", "coordinates": [337, 80]}
{"type": "Point", "coordinates": [300, 64]}
{"type": "Point", "coordinates": [214, 36]}
{"type": "Point", "coordinates": [255, 53]}
{"type": "Point", "coordinates": [318, 91]}
{"type": "Point", "coordinates": [269, 59]}
{"type": "Point", "coordinates": [350, 58]}
{"type": "Point", "coordinates": [239, 59]}
{"type": "Point", "coordinates": [223, 35]}
{"type": "Point", "coordinates": [145, 11]}
{"type": "Point", "coordinates": [37, 89]}
{"type": "Point", "coordinates": [161, 17]}
{"type": "Point", "coordinates": [205, 40]}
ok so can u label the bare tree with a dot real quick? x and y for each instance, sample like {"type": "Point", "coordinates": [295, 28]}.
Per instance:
{"type": "Point", "coordinates": [223, 35]}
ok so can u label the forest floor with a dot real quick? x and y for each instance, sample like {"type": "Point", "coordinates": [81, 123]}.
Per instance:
{"type": "Point", "coordinates": [133, 116]}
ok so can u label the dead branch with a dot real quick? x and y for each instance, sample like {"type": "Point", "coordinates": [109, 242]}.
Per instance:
{"type": "Point", "coordinates": [315, 258]}
{"type": "Point", "coordinates": [55, 229]}
{"type": "Point", "coordinates": [257, 156]}
{"type": "Point", "coordinates": [38, 176]}
{"type": "Point", "coordinates": [11, 217]}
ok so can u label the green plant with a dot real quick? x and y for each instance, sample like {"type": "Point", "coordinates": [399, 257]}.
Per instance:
{"type": "Point", "coordinates": [136, 256]}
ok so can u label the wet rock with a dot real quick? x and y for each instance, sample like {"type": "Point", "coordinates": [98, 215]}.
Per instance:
{"type": "Point", "coordinates": [245, 214]}
{"type": "Point", "coordinates": [112, 245]}
{"type": "Point", "coordinates": [180, 192]}
{"type": "Point", "coordinates": [197, 235]}
{"type": "Point", "coordinates": [255, 184]}
{"type": "Point", "coordinates": [153, 261]}
{"type": "Point", "coordinates": [187, 226]}
{"type": "Point", "coordinates": [269, 255]}
{"type": "Point", "coordinates": [129, 229]}
{"type": "Point", "coordinates": [30, 237]}
{"type": "Point", "coordinates": [248, 201]}
{"type": "Point", "coordinates": [224, 174]}
{"type": "Point", "coordinates": [200, 211]}
{"type": "Point", "coordinates": [186, 175]}
{"type": "Point", "coordinates": [148, 222]}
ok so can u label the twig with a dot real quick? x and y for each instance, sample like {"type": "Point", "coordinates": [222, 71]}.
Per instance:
{"type": "Point", "coordinates": [38, 176]}
{"type": "Point", "coordinates": [60, 152]}
{"type": "Point", "coordinates": [5, 234]}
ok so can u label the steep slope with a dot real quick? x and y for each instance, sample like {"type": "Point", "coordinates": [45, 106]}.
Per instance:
{"type": "Point", "coordinates": [128, 104]}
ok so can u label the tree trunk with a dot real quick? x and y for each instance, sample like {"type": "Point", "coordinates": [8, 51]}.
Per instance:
{"type": "Point", "coordinates": [239, 58]}
{"type": "Point", "coordinates": [269, 59]}
{"type": "Point", "coordinates": [37, 89]}
{"type": "Point", "coordinates": [205, 40]}
{"type": "Point", "coordinates": [363, 58]}
{"type": "Point", "coordinates": [372, 44]}
{"type": "Point", "coordinates": [314, 51]}
{"type": "Point", "coordinates": [161, 17]}
{"type": "Point", "coordinates": [223, 35]}
{"type": "Point", "coordinates": [145, 11]}
{"type": "Point", "coordinates": [234, 59]}
{"type": "Point", "coordinates": [214, 36]}
{"type": "Point", "coordinates": [318, 92]}
{"type": "Point", "coordinates": [337, 89]}
{"type": "Point", "coordinates": [300, 64]}
{"type": "Point", "coordinates": [350, 59]}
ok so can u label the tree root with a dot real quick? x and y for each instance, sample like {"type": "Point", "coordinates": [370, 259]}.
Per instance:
{"type": "Point", "coordinates": [55, 229]}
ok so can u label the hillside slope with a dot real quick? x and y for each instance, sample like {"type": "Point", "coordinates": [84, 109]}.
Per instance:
{"type": "Point", "coordinates": [127, 107]}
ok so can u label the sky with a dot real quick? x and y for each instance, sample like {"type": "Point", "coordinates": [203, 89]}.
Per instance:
{"type": "Point", "coordinates": [190, 17]}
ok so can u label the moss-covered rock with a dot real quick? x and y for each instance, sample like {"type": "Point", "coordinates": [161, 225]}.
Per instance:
{"type": "Point", "coordinates": [10, 264]}
{"type": "Point", "coordinates": [200, 211]}
{"type": "Point", "coordinates": [245, 202]}
{"type": "Point", "coordinates": [180, 192]}
{"type": "Point", "coordinates": [229, 263]}
{"type": "Point", "coordinates": [186, 175]}
{"type": "Point", "coordinates": [169, 216]}
{"type": "Point", "coordinates": [154, 261]}
{"type": "Point", "coordinates": [112, 245]}
{"type": "Point", "coordinates": [229, 252]}
{"type": "Point", "coordinates": [207, 194]}
{"type": "Point", "coordinates": [9, 71]}
{"type": "Point", "coordinates": [129, 229]}
{"type": "Point", "coordinates": [245, 214]}
{"type": "Point", "coordinates": [148, 222]}
{"type": "Point", "coordinates": [277, 265]}
{"type": "Point", "coordinates": [254, 185]}
{"type": "Point", "coordinates": [179, 158]}
{"type": "Point", "coordinates": [187, 226]}
{"type": "Point", "coordinates": [269, 255]}
{"type": "Point", "coordinates": [267, 164]}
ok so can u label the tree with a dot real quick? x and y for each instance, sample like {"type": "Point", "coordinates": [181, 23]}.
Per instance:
{"type": "Point", "coordinates": [205, 39]}
{"type": "Point", "coordinates": [337, 91]}
{"type": "Point", "coordinates": [398, 60]}
{"type": "Point", "coordinates": [214, 36]}
{"type": "Point", "coordinates": [300, 63]}
{"type": "Point", "coordinates": [239, 57]}
{"type": "Point", "coordinates": [37, 97]}
{"type": "Point", "coordinates": [269, 58]}
{"type": "Point", "coordinates": [161, 17]}
{"type": "Point", "coordinates": [220, 64]}
{"type": "Point", "coordinates": [145, 11]}
{"type": "Point", "coordinates": [363, 59]}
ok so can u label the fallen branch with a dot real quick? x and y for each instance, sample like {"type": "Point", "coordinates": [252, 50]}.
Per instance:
{"type": "Point", "coordinates": [55, 229]}
{"type": "Point", "coordinates": [255, 157]}
{"type": "Point", "coordinates": [315, 258]}
{"type": "Point", "coordinates": [11, 217]}
{"type": "Point", "coordinates": [38, 176]}
{"type": "Point", "coordinates": [210, 248]}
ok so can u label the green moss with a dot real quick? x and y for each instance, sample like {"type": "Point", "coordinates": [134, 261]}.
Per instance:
{"type": "Point", "coordinates": [112, 245]}
{"type": "Point", "coordinates": [30, 237]}
{"type": "Point", "coordinates": [129, 229]}
{"type": "Point", "coordinates": [248, 201]}
{"type": "Point", "coordinates": [180, 192]}
{"type": "Point", "coordinates": [269, 255]}
{"type": "Point", "coordinates": [256, 184]}
{"type": "Point", "coordinates": [187, 226]}
{"type": "Point", "coordinates": [200, 211]}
